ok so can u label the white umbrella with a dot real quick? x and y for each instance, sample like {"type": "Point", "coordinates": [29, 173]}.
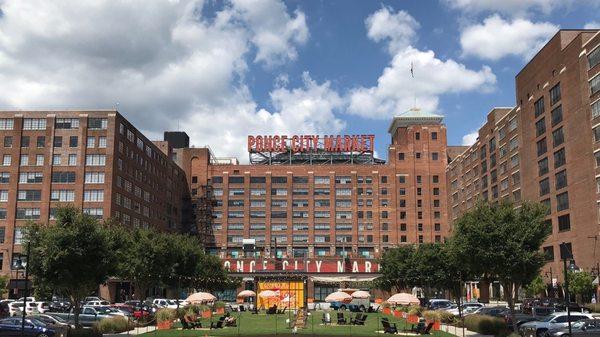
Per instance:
{"type": "Point", "coordinates": [246, 293]}
{"type": "Point", "coordinates": [200, 297]}
{"type": "Point", "coordinates": [361, 294]}
{"type": "Point", "coordinates": [338, 296]}
{"type": "Point", "coordinates": [267, 294]}
{"type": "Point", "coordinates": [403, 299]}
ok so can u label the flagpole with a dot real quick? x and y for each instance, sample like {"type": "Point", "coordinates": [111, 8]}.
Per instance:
{"type": "Point", "coordinates": [412, 74]}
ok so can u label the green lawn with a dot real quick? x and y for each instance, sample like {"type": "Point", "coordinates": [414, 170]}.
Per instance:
{"type": "Point", "coordinates": [271, 325]}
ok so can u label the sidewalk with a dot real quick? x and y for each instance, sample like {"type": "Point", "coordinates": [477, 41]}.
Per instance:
{"type": "Point", "coordinates": [459, 331]}
{"type": "Point", "coordinates": [136, 331]}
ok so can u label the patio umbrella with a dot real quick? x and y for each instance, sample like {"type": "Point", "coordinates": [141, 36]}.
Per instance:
{"type": "Point", "coordinates": [361, 294]}
{"type": "Point", "coordinates": [246, 293]}
{"type": "Point", "coordinates": [338, 296]}
{"type": "Point", "coordinates": [200, 297]}
{"type": "Point", "coordinates": [403, 299]}
{"type": "Point", "coordinates": [267, 294]}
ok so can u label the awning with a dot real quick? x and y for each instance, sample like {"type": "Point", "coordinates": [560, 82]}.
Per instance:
{"type": "Point", "coordinates": [334, 279]}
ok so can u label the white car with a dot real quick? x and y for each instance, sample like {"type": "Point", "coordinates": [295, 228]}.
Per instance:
{"type": "Point", "coordinates": [467, 308]}
{"type": "Point", "coordinates": [97, 303]}
{"type": "Point", "coordinates": [29, 299]}
{"type": "Point", "coordinates": [15, 309]}
{"type": "Point", "coordinates": [37, 307]}
{"type": "Point", "coordinates": [165, 303]}
{"type": "Point", "coordinates": [555, 321]}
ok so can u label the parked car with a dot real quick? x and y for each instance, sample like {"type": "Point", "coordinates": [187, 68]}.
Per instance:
{"type": "Point", "coordinates": [60, 306]}
{"type": "Point", "coordinates": [37, 307]}
{"type": "Point", "coordinates": [92, 298]}
{"type": "Point", "coordinates": [554, 321]}
{"type": "Point", "coordinates": [586, 327]}
{"type": "Point", "coordinates": [164, 303]}
{"type": "Point", "coordinates": [33, 328]}
{"type": "Point", "coordinates": [60, 325]}
{"type": "Point", "coordinates": [466, 308]}
{"type": "Point", "coordinates": [435, 303]}
{"type": "Point", "coordinates": [492, 311]}
{"type": "Point", "coordinates": [88, 315]}
{"type": "Point", "coordinates": [101, 303]}
{"type": "Point", "coordinates": [4, 309]}
{"type": "Point", "coordinates": [15, 309]}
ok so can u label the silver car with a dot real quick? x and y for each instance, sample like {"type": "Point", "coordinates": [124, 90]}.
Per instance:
{"type": "Point", "coordinates": [555, 321]}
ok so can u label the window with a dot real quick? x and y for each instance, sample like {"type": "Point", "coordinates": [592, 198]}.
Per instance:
{"type": "Point", "coordinates": [34, 124]}
{"type": "Point", "coordinates": [595, 84]}
{"type": "Point", "coordinates": [595, 109]}
{"type": "Point", "coordinates": [540, 127]}
{"type": "Point", "coordinates": [41, 141]}
{"type": "Point", "coordinates": [322, 180]}
{"type": "Point", "coordinates": [562, 201]}
{"type": "Point", "coordinates": [91, 142]}
{"type": "Point", "coordinates": [549, 253]}
{"type": "Point", "coordinates": [97, 213]}
{"type": "Point", "coordinates": [492, 145]}
{"type": "Point", "coordinates": [56, 159]}
{"type": "Point", "coordinates": [31, 177]}
{"type": "Point", "coordinates": [541, 147]}
{"type": "Point", "coordinates": [512, 124]}
{"type": "Point", "coordinates": [501, 133]}
{"type": "Point", "coordinates": [57, 141]}
{"type": "Point", "coordinates": [28, 213]}
{"type": "Point", "coordinates": [417, 135]}
{"type": "Point", "coordinates": [62, 195]}
{"type": "Point", "coordinates": [67, 123]}
{"type": "Point", "coordinates": [3, 195]}
{"type": "Point", "coordinates": [95, 160]}
{"type": "Point", "coordinates": [539, 106]}
{"type": "Point", "coordinates": [556, 115]}
{"type": "Point", "coordinates": [561, 179]}
{"type": "Point", "coordinates": [300, 180]}
{"type": "Point", "coordinates": [564, 223]}
{"type": "Point", "coordinates": [24, 160]}
{"type": "Point", "coordinates": [279, 180]}
{"type": "Point", "coordinates": [434, 135]}
{"type": "Point", "coordinates": [555, 94]}
{"type": "Point", "coordinates": [543, 167]}
{"type": "Point", "coordinates": [93, 195]}
{"type": "Point", "coordinates": [434, 155]}
{"type": "Point", "coordinates": [39, 160]}
{"type": "Point", "coordinates": [97, 123]}
{"type": "Point", "coordinates": [482, 153]}
{"type": "Point", "coordinates": [400, 155]}
{"type": "Point", "coordinates": [514, 160]}
{"type": "Point", "coordinates": [4, 178]}
{"type": "Point", "coordinates": [596, 132]}
{"type": "Point", "coordinates": [253, 180]}
{"type": "Point", "coordinates": [544, 187]}
{"type": "Point", "coordinates": [63, 177]}
{"type": "Point", "coordinates": [418, 155]}
{"type": "Point", "coordinates": [594, 57]}
{"type": "Point", "coordinates": [6, 123]}
{"type": "Point", "coordinates": [8, 140]}
{"type": "Point", "coordinates": [72, 160]}
{"type": "Point", "coordinates": [102, 142]}
{"type": "Point", "coordinates": [94, 177]}
{"type": "Point", "coordinates": [6, 160]}
{"type": "Point", "coordinates": [236, 180]}
{"type": "Point", "coordinates": [558, 137]}
{"type": "Point", "coordinates": [24, 141]}
{"type": "Point", "coordinates": [560, 158]}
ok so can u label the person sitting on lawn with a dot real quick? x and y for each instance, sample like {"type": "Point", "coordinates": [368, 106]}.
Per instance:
{"type": "Point", "coordinates": [229, 321]}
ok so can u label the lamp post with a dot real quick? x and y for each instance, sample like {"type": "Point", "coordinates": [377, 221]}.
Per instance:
{"type": "Point", "coordinates": [21, 266]}
{"type": "Point", "coordinates": [567, 254]}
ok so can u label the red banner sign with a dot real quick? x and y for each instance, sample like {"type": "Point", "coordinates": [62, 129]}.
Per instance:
{"type": "Point", "coordinates": [311, 143]}
{"type": "Point", "coordinates": [307, 265]}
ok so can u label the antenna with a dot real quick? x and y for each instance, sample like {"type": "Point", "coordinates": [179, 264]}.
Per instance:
{"type": "Point", "coordinates": [412, 74]}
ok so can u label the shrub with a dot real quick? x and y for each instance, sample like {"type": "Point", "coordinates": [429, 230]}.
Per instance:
{"type": "Point", "coordinates": [165, 314]}
{"type": "Point", "coordinates": [219, 304]}
{"type": "Point", "coordinates": [415, 310]}
{"type": "Point", "coordinates": [486, 325]}
{"type": "Point", "coordinates": [432, 315]}
{"type": "Point", "coordinates": [446, 317]}
{"type": "Point", "coordinates": [385, 304]}
{"type": "Point", "coordinates": [113, 325]}
{"type": "Point", "coordinates": [204, 307]}
{"type": "Point", "coordinates": [83, 333]}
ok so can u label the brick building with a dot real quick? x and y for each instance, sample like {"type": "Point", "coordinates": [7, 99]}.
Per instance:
{"type": "Point", "coordinates": [95, 160]}
{"type": "Point", "coordinates": [546, 149]}
{"type": "Point", "coordinates": [313, 207]}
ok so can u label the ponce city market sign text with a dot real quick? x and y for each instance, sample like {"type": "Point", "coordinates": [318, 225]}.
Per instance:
{"type": "Point", "coordinates": [311, 143]}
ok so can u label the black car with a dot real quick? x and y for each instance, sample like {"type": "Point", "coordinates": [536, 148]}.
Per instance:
{"type": "Point", "coordinates": [10, 327]}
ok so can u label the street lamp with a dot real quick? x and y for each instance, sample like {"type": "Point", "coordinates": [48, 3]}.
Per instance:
{"type": "Point", "coordinates": [20, 265]}
{"type": "Point", "coordinates": [566, 254]}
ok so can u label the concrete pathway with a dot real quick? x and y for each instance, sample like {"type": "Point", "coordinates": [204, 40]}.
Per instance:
{"type": "Point", "coordinates": [459, 331]}
{"type": "Point", "coordinates": [136, 331]}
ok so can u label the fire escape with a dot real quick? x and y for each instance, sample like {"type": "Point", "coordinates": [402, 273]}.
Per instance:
{"type": "Point", "coordinates": [205, 203]}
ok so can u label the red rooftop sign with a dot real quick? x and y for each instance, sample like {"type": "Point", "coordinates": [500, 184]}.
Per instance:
{"type": "Point", "coordinates": [311, 143]}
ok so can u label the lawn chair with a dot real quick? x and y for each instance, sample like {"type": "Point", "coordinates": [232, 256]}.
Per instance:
{"type": "Point", "coordinates": [272, 310]}
{"type": "Point", "coordinates": [326, 318]}
{"type": "Point", "coordinates": [426, 330]}
{"type": "Point", "coordinates": [242, 308]}
{"type": "Point", "coordinates": [355, 319]}
{"type": "Point", "coordinates": [340, 318]}
{"type": "Point", "coordinates": [281, 311]}
{"type": "Point", "coordinates": [218, 325]}
{"type": "Point", "coordinates": [361, 320]}
{"type": "Point", "coordinates": [389, 327]}
{"type": "Point", "coordinates": [185, 325]}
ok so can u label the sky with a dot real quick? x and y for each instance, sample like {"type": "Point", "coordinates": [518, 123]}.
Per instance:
{"type": "Point", "coordinates": [224, 69]}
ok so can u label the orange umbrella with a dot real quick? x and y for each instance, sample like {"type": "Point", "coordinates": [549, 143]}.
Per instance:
{"type": "Point", "coordinates": [403, 299]}
{"type": "Point", "coordinates": [338, 296]}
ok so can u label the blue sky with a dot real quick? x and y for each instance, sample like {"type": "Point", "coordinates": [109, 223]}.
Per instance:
{"type": "Point", "coordinates": [223, 69]}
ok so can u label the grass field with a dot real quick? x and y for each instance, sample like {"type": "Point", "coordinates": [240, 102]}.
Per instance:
{"type": "Point", "coordinates": [276, 325]}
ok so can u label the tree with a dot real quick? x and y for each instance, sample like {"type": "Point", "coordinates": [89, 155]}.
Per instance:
{"type": "Point", "coordinates": [580, 283]}
{"type": "Point", "coordinates": [4, 279]}
{"type": "Point", "coordinates": [536, 287]}
{"type": "Point", "coordinates": [397, 268]}
{"type": "Point", "coordinates": [503, 242]}
{"type": "Point", "coordinates": [73, 256]}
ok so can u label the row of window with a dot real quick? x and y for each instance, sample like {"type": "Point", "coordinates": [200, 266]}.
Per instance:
{"type": "Point", "coordinates": [55, 195]}
{"type": "Point", "coordinates": [60, 123]}
{"type": "Point", "coordinates": [57, 159]}
{"type": "Point", "coordinates": [238, 239]}
{"type": "Point", "coordinates": [65, 177]}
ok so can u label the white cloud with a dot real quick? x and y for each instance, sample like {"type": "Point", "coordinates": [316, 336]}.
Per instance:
{"type": "Point", "coordinates": [275, 32]}
{"type": "Point", "coordinates": [470, 138]}
{"type": "Point", "coordinates": [396, 90]}
{"type": "Point", "coordinates": [162, 61]}
{"type": "Point", "coordinates": [508, 7]}
{"type": "Point", "coordinates": [400, 28]}
{"type": "Point", "coordinates": [496, 38]}
{"type": "Point", "coordinates": [592, 25]}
